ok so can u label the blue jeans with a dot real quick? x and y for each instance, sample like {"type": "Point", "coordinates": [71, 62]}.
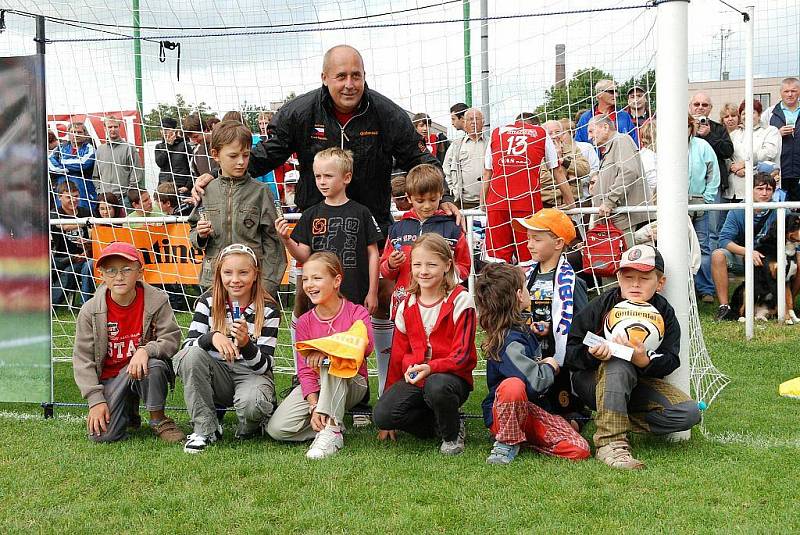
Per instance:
{"type": "Point", "coordinates": [72, 275]}
{"type": "Point", "coordinates": [703, 282]}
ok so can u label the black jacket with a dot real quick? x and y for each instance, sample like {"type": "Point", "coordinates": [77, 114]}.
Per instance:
{"type": "Point", "coordinates": [721, 142]}
{"type": "Point", "coordinates": [379, 132]}
{"type": "Point", "coordinates": [173, 161]}
{"type": "Point", "coordinates": [591, 319]}
{"type": "Point", "coordinates": [790, 149]}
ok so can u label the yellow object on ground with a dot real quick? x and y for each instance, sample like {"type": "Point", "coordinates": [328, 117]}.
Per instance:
{"type": "Point", "coordinates": [790, 389]}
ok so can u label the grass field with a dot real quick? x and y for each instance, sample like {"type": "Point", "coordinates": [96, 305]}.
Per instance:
{"type": "Point", "coordinates": [741, 476]}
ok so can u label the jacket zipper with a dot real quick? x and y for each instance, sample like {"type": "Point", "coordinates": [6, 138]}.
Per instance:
{"type": "Point", "coordinates": [344, 137]}
{"type": "Point", "coordinates": [230, 214]}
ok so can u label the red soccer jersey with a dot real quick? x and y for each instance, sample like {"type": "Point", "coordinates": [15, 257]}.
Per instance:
{"type": "Point", "coordinates": [124, 333]}
{"type": "Point", "coordinates": [432, 143]}
{"type": "Point", "coordinates": [517, 151]}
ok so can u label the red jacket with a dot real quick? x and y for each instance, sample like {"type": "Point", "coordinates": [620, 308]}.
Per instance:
{"type": "Point", "coordinates": [405, 232]}
{"type": "Point", "coordinates": [452, 342]}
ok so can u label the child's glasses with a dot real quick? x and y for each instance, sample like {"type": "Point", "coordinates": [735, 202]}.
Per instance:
{"type": "Point", "coordinates": [113, 272]}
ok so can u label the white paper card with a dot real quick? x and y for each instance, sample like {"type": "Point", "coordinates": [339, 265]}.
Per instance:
{"type": "Point", "coordinates": [618, 350]}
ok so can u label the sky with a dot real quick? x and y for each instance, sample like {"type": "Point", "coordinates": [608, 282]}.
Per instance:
{"type": "Point", "coordinates": [421, 67]}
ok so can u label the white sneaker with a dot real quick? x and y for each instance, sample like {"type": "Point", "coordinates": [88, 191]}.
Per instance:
{"type": "Point", "coordinates": [327, 443]}
{"type": "Point", "coordinates": [196, 443]}
{"type": "Point", "coordinates": [455, 447]}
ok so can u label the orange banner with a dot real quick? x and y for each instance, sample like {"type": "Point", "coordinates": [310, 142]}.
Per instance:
{"type": "Point", "coordinates": [169, 257]}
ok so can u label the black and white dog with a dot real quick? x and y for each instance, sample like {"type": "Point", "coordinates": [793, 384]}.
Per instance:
{"type": "Point", "coordinates": [765, 286]}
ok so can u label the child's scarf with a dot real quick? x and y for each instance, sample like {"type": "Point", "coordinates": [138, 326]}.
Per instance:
{"type": "Point", "coordinates": [561, 307]}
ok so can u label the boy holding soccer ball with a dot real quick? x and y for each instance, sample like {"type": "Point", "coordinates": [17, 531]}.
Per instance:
{"type": "Point", "coordinates": [627, 388]}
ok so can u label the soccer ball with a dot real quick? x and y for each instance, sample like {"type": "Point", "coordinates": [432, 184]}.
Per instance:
{"type": "Point", "coordinates": [637, 322]}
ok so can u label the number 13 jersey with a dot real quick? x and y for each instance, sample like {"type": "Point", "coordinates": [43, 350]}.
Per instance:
{"type": "Point", "coordinates": [515, 156]}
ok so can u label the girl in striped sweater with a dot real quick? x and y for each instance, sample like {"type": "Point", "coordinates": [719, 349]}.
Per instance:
{"type": "Point", "coordinates": [227, 357]}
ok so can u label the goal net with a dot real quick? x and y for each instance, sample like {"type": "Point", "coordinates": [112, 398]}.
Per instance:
{"type": "Point", "coordinates": [154, 68]}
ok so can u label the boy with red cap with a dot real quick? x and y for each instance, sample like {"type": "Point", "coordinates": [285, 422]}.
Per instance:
{"type": "Point", "coordinates": [125, 337]}
{"type": "Point", "coordinates": [630, 395]}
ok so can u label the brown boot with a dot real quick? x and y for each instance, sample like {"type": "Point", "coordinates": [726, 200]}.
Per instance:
{"type": "Point", "coordinates": [617, 454]}
{"type": "Point", "coordinates": [168, 431]}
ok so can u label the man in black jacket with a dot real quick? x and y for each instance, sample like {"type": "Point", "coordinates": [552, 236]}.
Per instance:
{"type": "Point", "coordinates": [344, 113]}
{"type": "Point", "coordinates": [783, 117]}
{"type": "Point", "coordinates": [172, 157]}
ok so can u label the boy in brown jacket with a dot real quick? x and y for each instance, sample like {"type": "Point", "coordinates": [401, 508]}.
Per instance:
{"type": "Point", "coordinates": [125, 337]}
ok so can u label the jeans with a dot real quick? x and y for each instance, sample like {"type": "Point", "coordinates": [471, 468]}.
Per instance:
{"type": "Point", "coordinates": [71, 274]}
{"type": "Point", "coordinates": [702, 281]}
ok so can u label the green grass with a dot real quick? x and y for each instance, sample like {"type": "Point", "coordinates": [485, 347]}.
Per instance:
{"type": "Point", "coordinates": [742, 476]}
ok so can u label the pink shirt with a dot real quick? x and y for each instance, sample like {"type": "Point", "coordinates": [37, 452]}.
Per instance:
{"type": "Point", "coordinates": [310, 326]}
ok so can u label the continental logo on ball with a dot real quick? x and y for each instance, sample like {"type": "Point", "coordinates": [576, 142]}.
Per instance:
{"type": "Point", "coordinates": [616, 315]}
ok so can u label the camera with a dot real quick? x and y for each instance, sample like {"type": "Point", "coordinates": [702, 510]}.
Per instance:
{"type": "Point", "coordinates": [702, 120]}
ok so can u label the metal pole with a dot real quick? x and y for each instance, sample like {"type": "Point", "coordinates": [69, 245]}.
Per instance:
{"type": "Point", "coordinates": [485, 108]}
{"type": "Point", "coordinates": [137, 67]}
{"type": "Point", "coordinates": [781, 278]}
{"type": "Point", "coordinates": [673, 170]}
{"type": "Point", "coordinates": [467, 56]}
{"type": "Point", "coordinates": [748, 172]}
{"type": "Point", "coordinates": [41, 141]}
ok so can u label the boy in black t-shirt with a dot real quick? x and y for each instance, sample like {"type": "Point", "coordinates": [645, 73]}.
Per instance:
{"type": "Point", "coordinates": [339, 225]}
{"type": "Point", "coordinates": [72, 270]}
{"type": "Point", "coordinates": [557, 294]}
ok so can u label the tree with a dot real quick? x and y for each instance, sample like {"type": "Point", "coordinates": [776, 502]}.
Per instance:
{"type": "Point", "coordinates": [576, 96]}
{"type": "Point", "coordinates": [178, 111]}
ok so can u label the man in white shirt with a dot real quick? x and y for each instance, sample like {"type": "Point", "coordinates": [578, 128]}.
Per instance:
{"type": "Point", "coordinates": [463, 163]}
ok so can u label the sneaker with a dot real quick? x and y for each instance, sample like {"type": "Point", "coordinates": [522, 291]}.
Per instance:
{"type": "Point", "coordinates": [706, 298]}
{"type": "Point", "coordinates": [196, 443]}
{"type": "Point", "coordinates": [361, 420]}
{"type": "Point", "coordinates": [168, 431]}
{"type": "Point", "coordinates": [617, 454]}
{"type": "Point", "coordinates": [722, 313]}
{"type": "Point", "coordinates": [454, 447]}
{"type": "Point", "coordinates": [502, 453]}
{"type": "Point", "coordinates": [326, 443]}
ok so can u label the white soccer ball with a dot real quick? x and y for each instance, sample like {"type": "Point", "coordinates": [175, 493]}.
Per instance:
{"type": "Point", "coordinates": [639, 322]}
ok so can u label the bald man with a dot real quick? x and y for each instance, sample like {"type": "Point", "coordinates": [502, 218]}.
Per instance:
{"type": "Point", "coordinates": [463, 163]}
{"type": "Point", "coordinates": [345, 113]}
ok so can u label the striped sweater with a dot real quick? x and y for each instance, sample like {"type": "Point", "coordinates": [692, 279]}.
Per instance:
{"type": "Point", "coordinates": [260, 357]}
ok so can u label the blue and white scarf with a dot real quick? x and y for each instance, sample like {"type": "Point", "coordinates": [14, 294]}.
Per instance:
{"type": "Point", "coordinates": [561, 307]}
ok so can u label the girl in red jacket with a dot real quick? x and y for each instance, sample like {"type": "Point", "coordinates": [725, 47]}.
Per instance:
{"type": "Point", "coordinates": [433, 353]}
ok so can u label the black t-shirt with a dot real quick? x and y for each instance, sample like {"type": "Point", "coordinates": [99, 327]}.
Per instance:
{"type": "Point", "coordinates": [65, 243]}
{"type": "Point", "coordinates": [541, 287]}
{"type": "Point", "coordinates": [345, 230]}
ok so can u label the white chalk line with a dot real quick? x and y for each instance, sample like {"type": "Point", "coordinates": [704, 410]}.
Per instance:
{"type": "Point", "coordinates": [21, 342]}
{"type": "Point", "coordinates": [753, 441]}
{"type": "Point", "coordinates": [28, 416]}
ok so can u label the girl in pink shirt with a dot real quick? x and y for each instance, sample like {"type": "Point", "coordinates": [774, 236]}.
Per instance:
{"type": "Point", "coordinates": [316, 407]}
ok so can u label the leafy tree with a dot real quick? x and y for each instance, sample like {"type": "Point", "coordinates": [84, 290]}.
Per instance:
{"type": "Point", "coordinates": [178, 111]}
{"type": "Point", "coordinates": [576, 96]}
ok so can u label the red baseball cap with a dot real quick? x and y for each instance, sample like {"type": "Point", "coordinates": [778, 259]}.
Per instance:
{"type": "Point", "coordinates": [125, 250]}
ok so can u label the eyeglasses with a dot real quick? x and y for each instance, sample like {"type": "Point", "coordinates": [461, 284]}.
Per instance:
{"type": "Point", "coordinates": [113, 272]}
{"type": "Point", "coordinates": [610, 91]}
{"type": "Point", "coordinates": [701, 104]}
